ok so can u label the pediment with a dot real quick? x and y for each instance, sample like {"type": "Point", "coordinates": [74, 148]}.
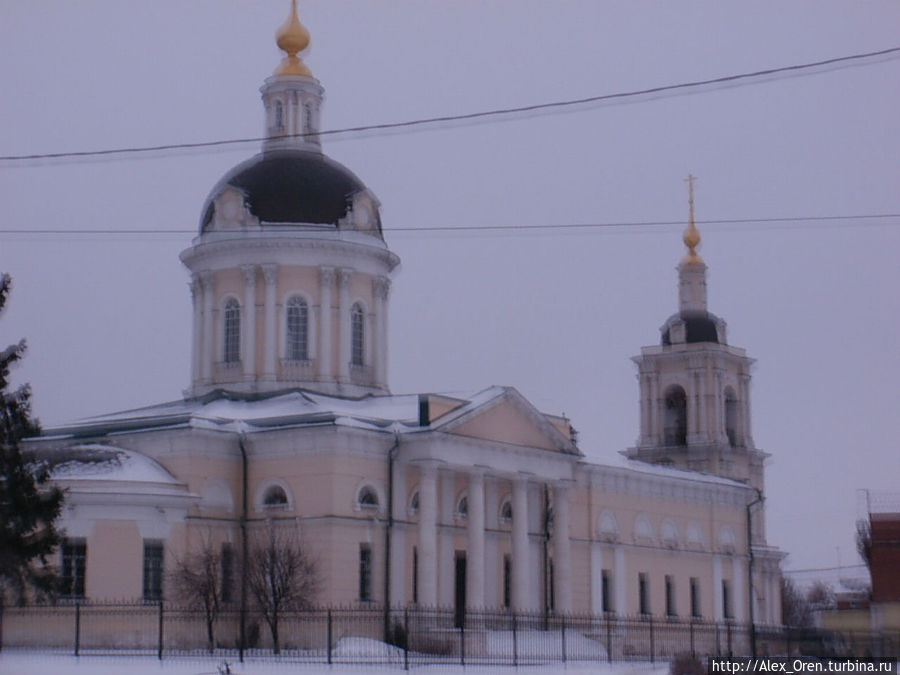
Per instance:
{"type": "Point", "coordinates": [510, 418]}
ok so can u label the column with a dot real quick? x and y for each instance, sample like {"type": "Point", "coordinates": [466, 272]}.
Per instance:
{"type": "Point", "coordinates": [197, 305]}
{"type": "Point", "coordinates": [745, 410]}
{"type": "Point", "coordinates": [446, 577]}
{"type": "Point", "coordinates": [207, 357]}
{"type": "Point", "coordinates": [718, 614]}
{"type": "Point", "coordinates": [719, 407]}
{"type": "Point", "coordinates": [427, 535]}
{"type": "Point", "coordinates": [475, 549]}
{"type": "Point", "coordinates": [621, 582]}
{"type": "Point", "coordinates": [326, 280]}
{"type": "Point", "coordinates": [562, 551]}
{"type": "Point", "coordinates": [399, 578]}
{"type": "Point", "coordinates": [270, 339]}
{"type": "Point", "coordinates": [706, 432]}
{"type": "Point", "coordinates": [521, 571]}
{"type": "Point", "coordinates": [248, 330]}
{"type": "Point", "coordinates": [739, 590]}
{"type": "Point", "coordinates": [692, 405]}
{"type": "Point", "coordinates": [596, 578]}
{"type": "Point", "coordinates": [344, 324]}
{"type": "Point", "coordinates": [379, 354]}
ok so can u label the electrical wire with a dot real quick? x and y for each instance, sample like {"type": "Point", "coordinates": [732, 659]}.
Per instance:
{"type": "Point", "coordinates": [743, 78]}
{"type": "Point", "coordinates": [811, 221]}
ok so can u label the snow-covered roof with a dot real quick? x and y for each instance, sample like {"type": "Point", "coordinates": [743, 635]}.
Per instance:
{"type": "Point", "coordinates": [96, 462]}
{"type": "Point", "coordinates": [289, 408]}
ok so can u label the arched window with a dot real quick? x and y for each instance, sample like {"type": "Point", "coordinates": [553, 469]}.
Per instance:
{"type": "Point", "coordinates": [232, 329]}
{"type": "Point", "coordinates": [462, 507]}
{"type": "Point", "coordinates": [506, 512]}
{"type": "Point", "coordinates": [275, 496]}
{"type": "Point", "coordinates": [297, 338]}
{"type": "Point", "coordinates": [279, 115]}
{"type": "Point", "coordinates": [368, 498]}
{"type": "Point", "coordinates": [357, 334]}
{"type": "Point", "coordinates": [414, 503]}
{"type": "Point", "coordinates": [675, 429]}
{"type": "Point", "coordinates": [731, 411]}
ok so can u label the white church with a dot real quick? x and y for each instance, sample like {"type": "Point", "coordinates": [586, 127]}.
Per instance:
{"type": "Point", "coordinates": [471, 501]}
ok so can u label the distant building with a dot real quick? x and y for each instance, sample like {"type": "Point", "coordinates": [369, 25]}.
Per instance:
{"type": "Point", "coordinates": [473, 500]}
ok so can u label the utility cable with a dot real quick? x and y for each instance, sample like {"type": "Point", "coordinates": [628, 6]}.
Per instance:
{"type": "Point", "coordinates": [500, 112]}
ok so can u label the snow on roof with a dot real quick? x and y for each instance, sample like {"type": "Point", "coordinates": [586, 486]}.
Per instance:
{"type": "Point", "coordinates": [293, 407]}
{"type": "Point", "coordinates": [93, 462]}
{"type": "Point", "coordinates": [620, 462]}
{"type": "Point", "coordinates": [843, 579]}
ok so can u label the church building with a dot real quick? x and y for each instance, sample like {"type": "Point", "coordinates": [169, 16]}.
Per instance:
{"type": "Point", "coordinates": [473, 501]}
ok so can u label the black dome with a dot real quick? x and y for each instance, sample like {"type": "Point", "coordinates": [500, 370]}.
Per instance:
{"type": "Point", "coordinates": [290, 186]}
{"type": "Point", "coordinates": [698, 327]}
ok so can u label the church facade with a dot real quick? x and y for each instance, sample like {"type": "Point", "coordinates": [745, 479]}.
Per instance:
{"type": "Point", "coordinates": [475, 500]}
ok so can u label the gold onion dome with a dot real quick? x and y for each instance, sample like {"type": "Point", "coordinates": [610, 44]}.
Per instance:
{"type": "Point", "coordinates": [691, 237]}
{"type": "Point", "coordinates": [292, 38]}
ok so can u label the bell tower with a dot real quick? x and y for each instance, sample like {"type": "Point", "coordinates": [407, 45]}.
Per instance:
{"type": "Point", "coordinates": [695, 387]}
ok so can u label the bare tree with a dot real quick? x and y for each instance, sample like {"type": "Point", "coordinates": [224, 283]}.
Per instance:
{"type": "Point", "coordinates": [203, 578]}
{"type": "Point", "coordinates": [281, 577]}
{"type": "Point", "coordinates": [795, 609]}
{"type": "Point", "coordinates": [864, 540]}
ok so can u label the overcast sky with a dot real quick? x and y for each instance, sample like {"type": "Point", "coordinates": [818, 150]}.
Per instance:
{"type": "Point", "coordinates": [556, 314]}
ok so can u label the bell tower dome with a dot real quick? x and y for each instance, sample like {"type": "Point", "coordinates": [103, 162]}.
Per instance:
{"type": "Point", "coordinates": [695, 387]}
{"type": "Point", "coordinates": [290, 273]}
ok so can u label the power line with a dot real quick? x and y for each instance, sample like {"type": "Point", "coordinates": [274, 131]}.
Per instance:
{"type": "Point", "coordinates": [743, 78]}
{"type": "Point", "coordinates": [872, 218]}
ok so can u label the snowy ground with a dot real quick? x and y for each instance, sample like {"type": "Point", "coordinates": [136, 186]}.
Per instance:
{"type": "Point", "coordinates": [42, 663]}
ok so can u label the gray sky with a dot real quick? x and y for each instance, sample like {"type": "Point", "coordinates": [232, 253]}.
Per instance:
{"type": "Point", "coordinates": [555, 314]}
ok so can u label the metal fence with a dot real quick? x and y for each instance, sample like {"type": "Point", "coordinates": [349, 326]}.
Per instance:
{"type": "Point", "coordinates": [407, 637]}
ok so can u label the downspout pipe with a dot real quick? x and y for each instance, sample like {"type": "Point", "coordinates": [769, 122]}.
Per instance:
{"type": "Point", "coordinates": [759, 500]}
{"type": "Point", "coordinates": [392, 453]}
{"type": "Point", "coordinates": [242, 437]}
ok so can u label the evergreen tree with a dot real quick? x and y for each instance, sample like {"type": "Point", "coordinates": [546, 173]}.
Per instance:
{"type": "Point", "coordinates": [28, 507]}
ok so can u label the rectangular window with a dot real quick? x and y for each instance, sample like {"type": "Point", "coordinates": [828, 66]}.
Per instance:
{"type": "Point", "coordinates": [507, 581]}
{"type": "Point", "coordinates": [365, 572]}
{"type": "Point", "coordinates": [726, 599]}
{"type": "Point", "coordinates": [643, 593]}
{"type": "Point", "coordinates": [227, 590]}
{"type": "Point", "coordinates": [153, 570]}
{"type": "Point", "coordinates": [606, 591]}
{"type": "Point", "coordinates": [670, 596]}
{"type": "Point", "coordinates": [415, 575]}
{"type": "Point", "coordinates": [74, 557]}
{"type": "Point", "coordinates": [695, 598]}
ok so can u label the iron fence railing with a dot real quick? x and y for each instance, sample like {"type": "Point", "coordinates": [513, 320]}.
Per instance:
{"type": "Point", "coordinates": [409, 636]}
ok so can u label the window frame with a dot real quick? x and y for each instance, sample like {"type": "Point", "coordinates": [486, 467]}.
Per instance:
{"type": "Point", "coordinates": [154, 562]}
{"type": "Point", "coordinates": [73, 567]}
{"type": "Point", "coordinates": [357, 335]}
{"type": "Point", "coordinates": [231, 331]}
{"type": "Point", "coordinates": [296, 338]}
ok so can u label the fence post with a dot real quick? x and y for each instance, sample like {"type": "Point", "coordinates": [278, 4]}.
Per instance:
{"type": "Point", "coordinates": [159, 633]}
{"type": "Point", "coordinates": [609, 638]}
{"type": "Point", "coordinates": [406, 641]}
{"type": "Point", "coordinates": [563, 632]}
{"type": "Point", "coordinates": [328, 634]}
{"type": "Point", "coordinates": [77, 627]}
{"type": "Point", "coordinates": [515, 642]}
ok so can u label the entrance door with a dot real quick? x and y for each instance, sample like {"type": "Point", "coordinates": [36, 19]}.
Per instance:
{"type": "Point", "coordinates": [460, 595]}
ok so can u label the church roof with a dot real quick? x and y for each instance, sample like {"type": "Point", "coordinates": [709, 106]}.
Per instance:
{"type": "Point", "coordinates": [289, 186]}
